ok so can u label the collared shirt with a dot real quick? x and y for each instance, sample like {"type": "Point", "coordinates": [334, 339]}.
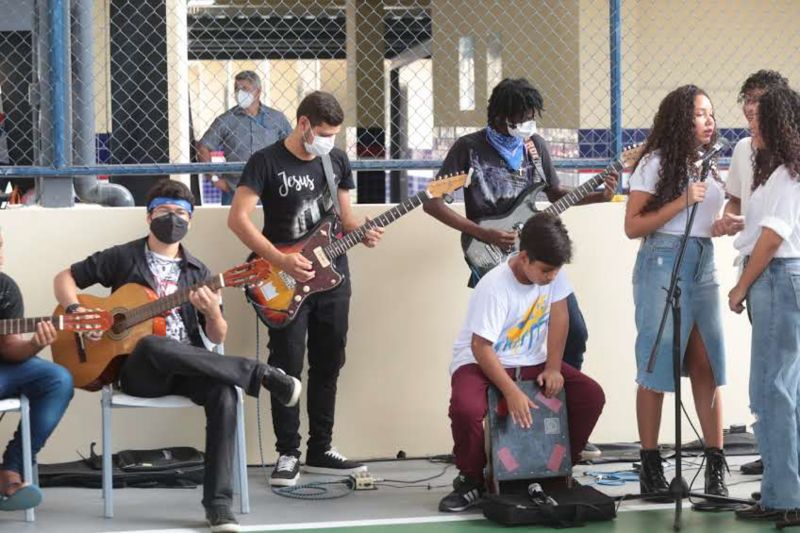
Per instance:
{"type": "Point", "coordinates": [127, 263]}
{"type": "Point", "coordinates": [239, 135]}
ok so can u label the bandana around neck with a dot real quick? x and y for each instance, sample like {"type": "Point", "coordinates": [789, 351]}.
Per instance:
{"type": "Point", "coordinates": [509, 148]}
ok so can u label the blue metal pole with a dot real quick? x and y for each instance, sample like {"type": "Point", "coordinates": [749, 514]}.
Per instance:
{"type": "Point", "coordinates": [57, 15]}
{"type": "Point", "coordinates": [615, 43]}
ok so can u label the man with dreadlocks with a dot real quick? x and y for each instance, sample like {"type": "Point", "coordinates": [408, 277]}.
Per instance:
{"type": "Point", "coordinates": [503, 169]}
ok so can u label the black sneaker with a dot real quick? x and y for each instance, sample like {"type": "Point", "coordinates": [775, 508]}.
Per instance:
{"type": "Point", "coordinates": [286, 471]}
{"type": "Point", "coordinates": [220, 519]}
{"type": "Point", "coordinates": [332, 463]}
{"type": "Point", "coordinates": [466, 493]}
{"type": "Point", "coordinates": [286, 389]}
{"type": "Point", "coordinates": [754, 468]}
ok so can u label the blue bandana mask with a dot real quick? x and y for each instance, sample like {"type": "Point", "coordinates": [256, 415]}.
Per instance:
{"type": "Point", "coordinates": [511, 149]}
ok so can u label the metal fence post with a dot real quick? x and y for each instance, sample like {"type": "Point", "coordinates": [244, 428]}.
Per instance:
{"type": "Point", "coordinates": [57, 192]}
{"type": "Point", "coordinates": [615, 43]}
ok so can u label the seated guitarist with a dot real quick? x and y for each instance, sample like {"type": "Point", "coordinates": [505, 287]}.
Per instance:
{"type": "Point", "coordinates": [502, 171]}
{"type": "Point", "coordinates": [289, 179]}
{"type": "Point", "coordinates": [47, 386]}
{"type": "Point", "coordinates": [179, 363]}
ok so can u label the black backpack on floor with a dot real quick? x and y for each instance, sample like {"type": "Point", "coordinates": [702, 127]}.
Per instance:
{"type": "Point", "coordinates": [176, 467]}
{"type": "Point", "coordinates": [574, 507]}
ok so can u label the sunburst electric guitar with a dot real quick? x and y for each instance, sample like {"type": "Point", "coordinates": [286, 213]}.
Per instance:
{"type": "Point", "coordinates": [135, 312]}
{"type": "Point", "coordinates": [482, 256]}
{"type": "Point", "coordinates": [277, 299]}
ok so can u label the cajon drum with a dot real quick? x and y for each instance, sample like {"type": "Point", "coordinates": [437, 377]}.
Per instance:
{"type": "Point", "coordinates": [541, 451]}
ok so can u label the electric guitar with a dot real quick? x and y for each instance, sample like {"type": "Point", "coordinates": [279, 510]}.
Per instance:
{"type": "Point", "coordinates": [277, 299]}
{"type": "Point", "coordinates": [77, 322]}
{"type": "Point", "coordinates": [482, 256]}
{"type": "Point", "coordinates": [135, 312]}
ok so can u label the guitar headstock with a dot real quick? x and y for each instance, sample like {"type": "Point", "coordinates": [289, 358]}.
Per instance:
{"type": "Point", "coordinates": [249, 273]}
{"type": "Point", "coordinates": [630, 155]}
{"type": "Point", "coordinates": [98, 320]}
{"type": "Point", "coordinates": [448, 184]}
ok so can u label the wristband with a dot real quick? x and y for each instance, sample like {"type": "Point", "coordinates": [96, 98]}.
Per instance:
{"type": "Point", "coordinates": [71, 308]}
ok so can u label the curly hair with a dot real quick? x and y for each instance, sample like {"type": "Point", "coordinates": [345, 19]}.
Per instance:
{"type": "Point", "coordinates": [512, 97]}
{"type": "Point", "coordinates": [673, 134]}
{"type": "Point", "coordinates": [763, 79]}
{"type": "Point", "coordinates": [779, 125]}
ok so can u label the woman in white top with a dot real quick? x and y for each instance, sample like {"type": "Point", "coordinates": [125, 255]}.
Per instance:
{"type": "Point", "coordinates": [663, 188]}
{"type": "Point", "coordinates": [770, 282]}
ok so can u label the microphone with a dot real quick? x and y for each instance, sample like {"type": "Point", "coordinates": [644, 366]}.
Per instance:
{"type": "Point", "coordinates": [704, 157]}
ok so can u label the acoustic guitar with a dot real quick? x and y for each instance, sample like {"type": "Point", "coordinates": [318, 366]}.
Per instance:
{"type": "Point", "coordinates": [76, 322]}
{"type": "Point", "coordinates": [135, 311]}
{"type": "Point", "coordinates": [277, 299]}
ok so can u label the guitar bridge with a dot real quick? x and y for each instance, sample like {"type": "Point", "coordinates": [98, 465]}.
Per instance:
{"type": "Point", "coordinates": [287, 280]}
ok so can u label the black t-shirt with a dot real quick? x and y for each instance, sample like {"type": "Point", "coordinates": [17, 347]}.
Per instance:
{"type": "Point", "coordinates": [10, 298]}
{"type": "Point", "coordinates": [294, 193]}
{"type": "Point", "coordinates": [494, 186]}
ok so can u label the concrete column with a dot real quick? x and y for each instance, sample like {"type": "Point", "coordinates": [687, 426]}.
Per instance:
{"type": "Point", "coordinates": [365, 63]}
{"type": "Point", "coordinates": [178, 84]}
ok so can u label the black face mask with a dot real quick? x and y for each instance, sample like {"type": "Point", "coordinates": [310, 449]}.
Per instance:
{"type": "Point", "coordinates": [169, 228]}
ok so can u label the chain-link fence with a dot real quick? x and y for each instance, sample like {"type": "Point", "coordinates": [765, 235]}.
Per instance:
{"type": "Point", "coordinates": [122, 87]}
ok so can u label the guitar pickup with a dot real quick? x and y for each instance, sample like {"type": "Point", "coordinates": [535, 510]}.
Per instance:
{"type": "Point", "coordinates": [319, 253]}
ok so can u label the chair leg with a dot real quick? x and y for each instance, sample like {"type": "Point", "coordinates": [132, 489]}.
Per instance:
{"type": "Point", "coordinates": [241, 455]}
{"type": "Point", "coordinates": [27, 455]}
{"type": "Point", "coordinates": [108, 482]}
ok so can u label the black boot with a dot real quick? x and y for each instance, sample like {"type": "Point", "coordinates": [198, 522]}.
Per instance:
{"type": "Point", "coordinates": [651, 476]}
{"type": "Point", "coordinates": [715, 472]}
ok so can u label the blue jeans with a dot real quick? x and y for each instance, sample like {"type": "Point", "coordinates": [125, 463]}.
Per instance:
{"type": "Point", "coordinates": [227, 196]}
{"type": "Point", "coordinates": [700, 306]}
{"type": "Point", "coordinates": [774, 304]}
{"type": "Point", "coordinates": [48, 387]}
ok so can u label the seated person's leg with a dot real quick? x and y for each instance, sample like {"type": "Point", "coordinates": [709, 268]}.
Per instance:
{"type": "Point", "coordinates": [48, 387]}
{"type": "Point", "coordinates": [585, 401]}
{"type": "Point", "coordinates": [468, 405]}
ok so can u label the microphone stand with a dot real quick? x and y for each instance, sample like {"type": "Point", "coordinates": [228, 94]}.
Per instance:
{"type": "Point", "coordinates": [679, 488]}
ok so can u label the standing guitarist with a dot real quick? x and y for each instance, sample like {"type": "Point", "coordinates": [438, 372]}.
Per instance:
{"type": "Point", "coordinates": [289, 178]}
{"type": "Point", "coordinates": [507, 158]}
{"type": "Point", "coordinates": [179, 363]}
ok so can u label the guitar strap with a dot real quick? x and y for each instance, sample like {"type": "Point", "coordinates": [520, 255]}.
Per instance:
{"type": "Point", "coordinates": [327, 167]}
{"type": "Point", "coordinates": [533, 153]}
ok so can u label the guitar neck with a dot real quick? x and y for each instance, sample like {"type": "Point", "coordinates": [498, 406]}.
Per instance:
{"type": "Point", "coordinates": [171, 301]}
{"type": "Point", "coordinates": [340, 246]}
{"type": "Point", "coordinates": [579, 193]}
{"type": "Point", "coordinates": [13, 326]}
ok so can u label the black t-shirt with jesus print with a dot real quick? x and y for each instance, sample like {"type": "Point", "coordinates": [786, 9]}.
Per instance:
{"type": "Point", "coordinates": [294, 193]}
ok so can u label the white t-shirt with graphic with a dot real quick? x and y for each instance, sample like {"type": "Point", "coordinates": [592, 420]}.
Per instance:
{"type": "Point", "coordinates": [166, 271]}
{"type": "Point", "coordinates": [513, 316]}
{"type": "Point", "coordinates": [646, 177]}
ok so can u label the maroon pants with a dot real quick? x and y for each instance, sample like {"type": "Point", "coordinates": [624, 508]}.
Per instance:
{"type": "Point", "coordinates": [469, 404]}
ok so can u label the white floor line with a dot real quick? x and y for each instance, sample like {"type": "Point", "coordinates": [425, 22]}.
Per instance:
{"type": "Point", "coordinates": [380, 521]}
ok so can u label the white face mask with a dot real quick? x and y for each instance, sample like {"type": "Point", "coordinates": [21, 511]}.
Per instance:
{"type": "Point", "coordinates": [244, 98]}
{"type": "Point", "coordinates": [523, 130]}
{"type": "Point", "coordinates": [320, 146]}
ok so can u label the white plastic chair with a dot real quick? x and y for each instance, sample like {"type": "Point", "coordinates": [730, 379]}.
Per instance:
{"type": "Point", "coordinates": [112, 399]}
{"type": "Point", "coordinates": [29, 474]}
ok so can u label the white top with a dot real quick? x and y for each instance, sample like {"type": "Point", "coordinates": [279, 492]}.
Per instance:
{"type": "Point", "coordinates": [740, 173]}
{"type": "Point", "coordinates": [645, 178]}
{"type": "Point", "coordinates": [774, 205]}
{"type": "Point", "coordinates": [510, 314]}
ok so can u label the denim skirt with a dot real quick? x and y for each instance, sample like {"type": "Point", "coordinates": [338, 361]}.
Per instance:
{"type": "Point", "coordinates": [699, 301]}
